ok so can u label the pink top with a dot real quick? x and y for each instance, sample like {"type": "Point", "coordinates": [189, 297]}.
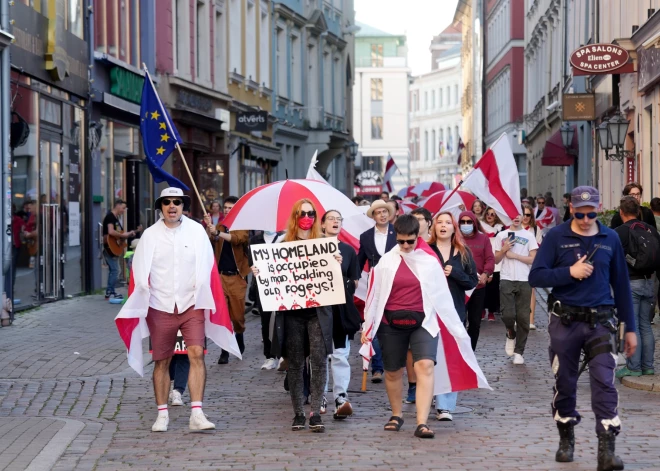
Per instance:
{"type": "Point", "coordinates": [406, 294]}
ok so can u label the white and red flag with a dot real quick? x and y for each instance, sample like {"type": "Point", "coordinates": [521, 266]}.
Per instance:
{"type": "Point", "coordinates": [546, 219]}
{"type": "Point", "coordinates": [459, 151]}
{"type": "Point", "coordinates": [456, 368]}
{"type": "Point", "coordinates": [132, 319]}
{"type": "Point", "coordinates": [494, 180]}
{"type": "Point", "coordinates": [449, 200]}
{"type": "Point", "coordinates": [390, 170]}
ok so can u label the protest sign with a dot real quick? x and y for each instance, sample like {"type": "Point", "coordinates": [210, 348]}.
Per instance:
{"type": "Point", "coordinates": [298, 275]}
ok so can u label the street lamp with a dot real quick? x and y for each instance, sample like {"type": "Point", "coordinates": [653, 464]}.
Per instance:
{"type": "Point", "coordinates": [612, 135]}
{"type": "Point", "coordinates": [353, 149]}
{"type": "Point", "coordinates": [567, 133]}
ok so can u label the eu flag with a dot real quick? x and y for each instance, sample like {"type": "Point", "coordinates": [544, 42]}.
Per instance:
{"type": "Point", "coordinates": [159, 135]}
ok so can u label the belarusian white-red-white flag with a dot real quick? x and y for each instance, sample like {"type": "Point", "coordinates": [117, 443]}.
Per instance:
{"type": "Point", "coordinates": [390, 170]}
{"type": "Point", "coordinates": [546, 219]}
{"type": "Point", "coordinates": [494, 180]}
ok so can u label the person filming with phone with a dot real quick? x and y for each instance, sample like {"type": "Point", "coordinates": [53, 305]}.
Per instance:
{"type": "Point", "coordinates": [584, 263]}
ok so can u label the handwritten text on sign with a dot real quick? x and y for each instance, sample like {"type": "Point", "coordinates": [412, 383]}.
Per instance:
{"type": "Point", "coordinates": [297, 275]}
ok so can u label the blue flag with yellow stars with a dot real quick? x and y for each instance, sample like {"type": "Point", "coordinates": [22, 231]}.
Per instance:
{"type": "Point", "coordinates": [159, 135]}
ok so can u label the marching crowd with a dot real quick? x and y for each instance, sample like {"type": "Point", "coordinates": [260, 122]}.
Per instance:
{"type": "Point", "coordinates": [489, 268]}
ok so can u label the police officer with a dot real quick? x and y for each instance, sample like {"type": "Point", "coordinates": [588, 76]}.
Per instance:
{"type": "Point", "coordinates": [583, 261]}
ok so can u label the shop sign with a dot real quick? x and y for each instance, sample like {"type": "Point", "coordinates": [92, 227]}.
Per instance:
{"type": "Point", "coordinates": [368, 178]}
{"type": "Point", "coordinates": [126, 84]}
{"type": "Point", "coordinates": [630, 169]}
{"type": "Point", "coordinates": [578, 107]}
{"type": "Point", "coordinates": [250, 121]}
{"type": "Point", "coordinates": [194, 101]}
{"type": "Point", "coordinates": [44, 49]}
{"type": "Point", "coordinates": [599, 58]}
{"type": "Point", "coordinates": [370, 190]}
{"type": "Point", "coordinates": [648, 61]}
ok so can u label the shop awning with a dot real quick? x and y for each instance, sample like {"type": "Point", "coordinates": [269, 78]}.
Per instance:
{"type": "Point", "coordinates": [554, 152]}
{"type": "Point", "coordinates": [264, 152]}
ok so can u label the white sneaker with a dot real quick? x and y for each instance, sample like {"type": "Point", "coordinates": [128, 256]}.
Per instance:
{"type": "Point", "coordinates": [443, 416]}
{"type": "Point", "coordinates": [175, 398]}
{"type": "Point", "coordinates": [532, 327]}
{"type": "Point", "coordinates": [510, 346]}
{"type": "Point", "coordinates": [160, 425]}
{"type": "Point", "coordinates": [518, 359]}
{"type": "Point", "coordinates": [198, 421]}
{"type": "Point", "coordinates": [269, 364]}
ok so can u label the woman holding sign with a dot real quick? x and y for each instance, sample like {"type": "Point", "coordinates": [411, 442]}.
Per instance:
{"type": "Point", "coordinates": [294, 326]}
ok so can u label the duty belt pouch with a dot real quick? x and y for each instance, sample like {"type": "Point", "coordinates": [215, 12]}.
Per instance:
{"type": "Point", "coordinates": [404, 320]}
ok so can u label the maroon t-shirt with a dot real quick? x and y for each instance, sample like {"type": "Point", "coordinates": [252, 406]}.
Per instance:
{"type": "Point", "coordinates": [406, 294]}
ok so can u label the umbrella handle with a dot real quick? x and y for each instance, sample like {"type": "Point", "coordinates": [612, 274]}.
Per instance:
{"type": "Point", "coordinates": [364, 380]}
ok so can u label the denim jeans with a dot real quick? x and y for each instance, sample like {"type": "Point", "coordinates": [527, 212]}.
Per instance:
{"type": "Point", "coordinates": [113, 271]}
{"type": "Point", "coordinates": [340, 369]}
{"type": "Point", "coordinates": [642, 294]}
{"type": "Point", "coordinates": [179, 370]}
{"type": "Point", "coordinates": [446, 401]}
{"type": "Point", "coordinates": [377, 359]}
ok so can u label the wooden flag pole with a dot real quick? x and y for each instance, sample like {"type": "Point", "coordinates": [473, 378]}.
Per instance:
{"type": "Point", "coordinates": [364, 380]}
{"type": "Point", "coordinates": [169, 125]}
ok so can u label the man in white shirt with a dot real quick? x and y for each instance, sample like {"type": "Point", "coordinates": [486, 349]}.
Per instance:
{"type": "Point", "coordinates": [173, 289]}
{"type": "Point", "coordinates": [515, 248]}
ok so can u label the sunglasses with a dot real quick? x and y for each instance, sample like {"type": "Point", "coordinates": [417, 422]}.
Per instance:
{"type": "Point", "coordinates": [167, 202]}
{"type": "Point", "coordinates": [467, 222]}
{"type": "Point", "coordinates": [405, 241]}
{"type": "Point", "coordinates": [591, 215]}
{"type": "Point", "coordinates": [311, 214]}
{"type": "Point", "coordinates": [490, 215]}
{"type": "Point", "coordinates": [528, 215]}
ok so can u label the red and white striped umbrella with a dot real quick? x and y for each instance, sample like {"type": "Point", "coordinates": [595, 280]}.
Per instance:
{"type": "Point", "coordinates": [442, 201]}
{"type": "Point", "coordinates": [407, 206]}
{"type": "Point", "coordinates": [268, 207]}
{"type": "Point", "coordinates": [422, 190]}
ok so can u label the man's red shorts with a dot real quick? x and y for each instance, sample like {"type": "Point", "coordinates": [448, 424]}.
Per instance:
{"type": "Point", "coordinates": [163, 328]}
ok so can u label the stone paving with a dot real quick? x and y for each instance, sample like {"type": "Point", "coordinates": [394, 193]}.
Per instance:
{"type": "Point", "coordinates": [69, 401]}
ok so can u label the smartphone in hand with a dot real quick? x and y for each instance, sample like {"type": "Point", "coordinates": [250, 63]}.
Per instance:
{"type": "Point", "coordinates": [512, 236]}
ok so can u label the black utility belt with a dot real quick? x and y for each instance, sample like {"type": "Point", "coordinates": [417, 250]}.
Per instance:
{"type": "Point", "coordinates": [592, 315]}
{"type": "Point", "coordinates": [229, 273]}
{"type": "Point", "coordinates": [641, 277]}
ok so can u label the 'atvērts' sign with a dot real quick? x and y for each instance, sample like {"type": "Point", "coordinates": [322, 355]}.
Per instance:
{"type": "Point", "coordinates": [599, 58]}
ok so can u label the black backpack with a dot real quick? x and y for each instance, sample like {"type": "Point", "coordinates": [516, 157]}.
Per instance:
{"type": "Point", "coordinates": [643, 248]}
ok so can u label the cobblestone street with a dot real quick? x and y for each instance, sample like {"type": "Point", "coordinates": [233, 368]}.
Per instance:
{"type": "Point", "coordinates": [68, 400]}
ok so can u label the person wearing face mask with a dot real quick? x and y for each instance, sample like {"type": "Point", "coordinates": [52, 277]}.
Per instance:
{"type": "Point", "coordinates": [461, 271]}
{"type": "Point", "coordinates": [305, 332]}
{"type": "Point", "coordinates": [346, 320]}
{"type": "Point", "coordinates": [492, 225]}
{"type": "Point", "coordinates": [482, 253]}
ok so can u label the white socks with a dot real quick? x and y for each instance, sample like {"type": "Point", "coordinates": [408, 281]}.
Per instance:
{"type": "Point", "coordinates": [162, 411]}
{"type": "Point", "coordinates": [196, 406]}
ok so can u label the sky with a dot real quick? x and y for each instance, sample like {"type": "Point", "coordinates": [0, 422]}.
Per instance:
{"type": "Point", "coordinates": [419, 20]}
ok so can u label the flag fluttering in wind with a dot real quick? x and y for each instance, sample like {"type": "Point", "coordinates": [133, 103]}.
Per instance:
{"type": "Point", "coordinates": [159, 135]}
{"type": "Point", "coordinates": [459, 150]}
{"type": "Point", "coordinates": [390, 170]}
{"type": "Point", "coordinates": [494, 180]}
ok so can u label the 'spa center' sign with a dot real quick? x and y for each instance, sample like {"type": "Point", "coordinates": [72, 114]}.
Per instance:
{"type": "Point", "coordinates": [599, 58]}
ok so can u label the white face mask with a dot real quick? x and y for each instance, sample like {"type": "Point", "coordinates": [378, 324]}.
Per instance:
{"type": "Point", "coordinates": [269, 233]}
{"type": "Point", "coordinates": [467, 229]}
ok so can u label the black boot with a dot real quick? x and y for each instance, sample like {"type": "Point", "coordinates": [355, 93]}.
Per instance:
{"type": "Point", "coordinates": [224, 358]}
{"type": "Point", "coordinates": [566, 442]}
{"type": "Point", "coordinates": [241, 344]}
{"type": "Point", "coordinates": [607, 460]}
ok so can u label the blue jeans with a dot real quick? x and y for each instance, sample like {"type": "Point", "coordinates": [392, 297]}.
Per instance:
{"type": "Point", "coordinates": [179, 369]}
{"type": "Point", "coordinates": [642, 294]}
{"type": "Point", "coordinates": [446, 401]}
{"type": "Point", "coordinates": [377, 359]}
{"type": "Point", "coordinates": [113, 271]}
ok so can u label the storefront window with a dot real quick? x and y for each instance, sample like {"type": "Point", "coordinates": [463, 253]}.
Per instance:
{"type": "Point", "coordinates": [75, 17]}
{"type": "Point", "coordinates": [211, 180]}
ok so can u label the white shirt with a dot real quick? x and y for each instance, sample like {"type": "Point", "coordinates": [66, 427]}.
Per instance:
{"type": "Point", "coordinates": [525, 242]}
{"type": "Point", "coordinates": [380, 239]}
{"type": "Point", "coordinates": [172, 276]}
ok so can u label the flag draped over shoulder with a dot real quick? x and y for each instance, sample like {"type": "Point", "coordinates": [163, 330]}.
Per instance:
{"type": "Point", "coordinates": [456, 368]}
{"type": "Point", "coordinates": [159, 135]}
{"type": "Point", "coordinates": [131, 321]}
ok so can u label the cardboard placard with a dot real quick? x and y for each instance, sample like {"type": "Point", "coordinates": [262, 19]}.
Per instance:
{"type": "Point", "coordinates": [298, 275]}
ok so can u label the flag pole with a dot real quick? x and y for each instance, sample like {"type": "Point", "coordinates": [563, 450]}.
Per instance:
{"type": "Point", "coordinates": [169, 125]}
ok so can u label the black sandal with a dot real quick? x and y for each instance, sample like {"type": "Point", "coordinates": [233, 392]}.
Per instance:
{"type": "Point", "coordinates": [422, 433]}
{"type": "Point", "coordinates": [394, 424]}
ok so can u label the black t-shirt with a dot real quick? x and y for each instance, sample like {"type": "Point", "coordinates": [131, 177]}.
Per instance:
{"type": "Point", "coordinates": [110, 218]}
{"type": "Point", "coordinates": [227, 263]}
{"type": "Point", "coordinates": [647, 217]}
{"type": "Point", "coordinates": [624, 234]}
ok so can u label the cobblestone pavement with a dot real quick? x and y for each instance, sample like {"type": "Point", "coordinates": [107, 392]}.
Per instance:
{"type": "Point", "coordinates": [69, 401]}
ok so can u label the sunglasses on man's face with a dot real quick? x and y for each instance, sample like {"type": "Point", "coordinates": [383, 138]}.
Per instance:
{"type": "Point", "coordinates": [309, 214]}
{"type": "Point", "coordinates": [591, 215]}
{"type": "Point", "coordinates": [467, 222]}
{"type": "Point", "coordinates": [167, 202]}
{"type": "Point", "coordinates": [405, 241]}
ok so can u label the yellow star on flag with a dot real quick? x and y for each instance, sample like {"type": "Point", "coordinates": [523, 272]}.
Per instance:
{"type": "Point", "coordinates": [164, 137]}
{"type": "Point", "coordinates": [160, 150]}
{"type": "Point", "coordinates": [155, 115]}
{"type": "Point", "coordinates": [162, 126]}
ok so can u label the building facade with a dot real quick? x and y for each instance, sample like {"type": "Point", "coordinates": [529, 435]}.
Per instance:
{"type": "Point", "coordinates": [380, 101]}
{"type": "Point", "coordinates": [435, 115]}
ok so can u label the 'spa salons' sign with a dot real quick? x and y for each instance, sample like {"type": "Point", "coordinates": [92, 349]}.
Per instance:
{"type": "Point", "coordinates": [599, 58]}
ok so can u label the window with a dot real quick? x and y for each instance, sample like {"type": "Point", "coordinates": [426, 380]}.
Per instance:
{"type": "Point", "coordinates": [433, 145]}
{"type": "Point", "coordinates": [235, 34]}
{"type": "Point", "coordinates": [202, 52]}
{"type": "Point", "coordinates": [457, 137]}
{"type": "Point", "coordinates": [455, 94]}
{"type": "Point", "coordinates": [75, 17]}
{"type": "Point", "coordinates": [450, 141]}
{"type": "Point", "coordinates": [440, 97]}
{"type": "Point", "coordinates": [432, 99]}
{"type": "Point", "coordinates": [376, 127]}
{"type": "Point", "coordinates": [327, 81]}
{"type": "Point", "coordinates": [441, 144]}
{"type": "Point", "coordinates": [426, 101]}
{"type": "Point", "coordinates": [448, 96]}
{"type": "Point", "coordinates": [182, 40]}
{"type": "Point", "coordinates": [376, 55]}
{"type": "Point", "coordinates": [264, 49]}
{"type": "Point", "coordinates": [124, 30]}
{"type": "Point", "coordinates": [377, 89]}
{"type": "Point", "coordinates": [251, 42]}
{"type": "Point", "coordinates": [282, 82]}
{"type": "Point", "coordinates": [426, 145]}
{"type": "Point", "coordinates": [220, 50]}
{"type": "Point", "coordinates": [296, 69]}
{"type": "Point", "coordinates": [338, 87]}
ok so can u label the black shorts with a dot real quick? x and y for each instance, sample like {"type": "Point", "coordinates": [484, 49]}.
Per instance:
{"type": "Point", "coordinates": [394, 343]}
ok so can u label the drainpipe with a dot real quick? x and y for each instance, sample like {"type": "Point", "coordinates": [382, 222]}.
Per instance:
{"type": "Point", "coordinates": [89, 226]}
{"type": "Point", "coordinates": [545, 118]}
{"type": "Point", "coordinates": [5, 119]}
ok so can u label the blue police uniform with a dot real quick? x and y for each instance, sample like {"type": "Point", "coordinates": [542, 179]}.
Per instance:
{"type": "Point", "coordinates": [561, 249]}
